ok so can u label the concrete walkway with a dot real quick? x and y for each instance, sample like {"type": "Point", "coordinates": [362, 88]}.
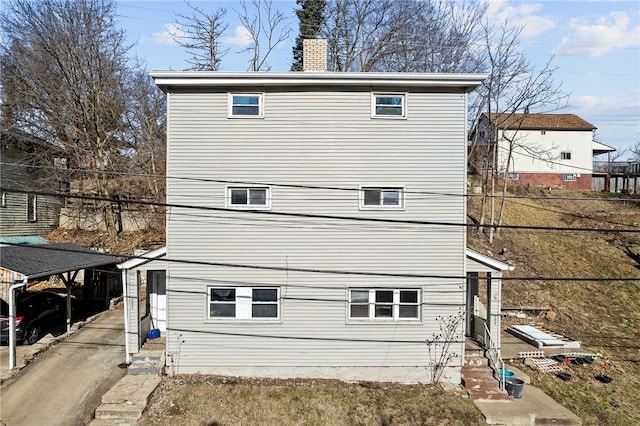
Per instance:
{"type": "Point", "coordinates": [64, 385]}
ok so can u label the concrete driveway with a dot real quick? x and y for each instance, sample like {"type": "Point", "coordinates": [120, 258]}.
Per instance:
{"type": "Point", "coordinates": [64, 385]}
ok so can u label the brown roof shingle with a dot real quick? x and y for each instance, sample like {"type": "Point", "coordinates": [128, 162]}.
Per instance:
{"type": "Point", "coordinates": [540, 121]}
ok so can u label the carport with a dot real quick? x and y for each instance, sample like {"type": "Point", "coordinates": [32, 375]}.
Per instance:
{"type": "Point", "coordinates": [21, 263]}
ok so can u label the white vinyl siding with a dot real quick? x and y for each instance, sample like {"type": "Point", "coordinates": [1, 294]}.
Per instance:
{"type": "Point", "coordinates": [309, 142]}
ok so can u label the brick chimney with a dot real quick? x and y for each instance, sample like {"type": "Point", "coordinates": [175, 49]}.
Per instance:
{"type": "Point", "coordinates": [314, 54]}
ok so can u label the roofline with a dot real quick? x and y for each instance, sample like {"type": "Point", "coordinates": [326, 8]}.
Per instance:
{"type": "Point", "coordinates": [603, 147]}
{"type": "Point", "coordinates": [60, 271]}
{"type": "Point", "coordinates": [488, 261]}
{"type": "Point", "coordinates": [140, 260]}
{"type": "Point", "coordinates": [165, 79]}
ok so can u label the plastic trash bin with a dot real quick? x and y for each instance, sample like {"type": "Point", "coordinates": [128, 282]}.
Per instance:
{"type": "Point", "coordinates": [514, 386]}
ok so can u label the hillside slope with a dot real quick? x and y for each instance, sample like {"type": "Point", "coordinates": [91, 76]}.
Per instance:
{"type": "Point", "coordinates": [603, 315]}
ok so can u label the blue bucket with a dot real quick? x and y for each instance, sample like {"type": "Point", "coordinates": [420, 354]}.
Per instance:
{"type": "Point", "coordinates": [154, 333]}
{"type": "Point", "coordinates": [507, 374]}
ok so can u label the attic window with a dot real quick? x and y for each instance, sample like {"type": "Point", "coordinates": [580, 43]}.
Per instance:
{"type": "Point", "coordinates": [543, 132]}
{"type": "Point", "coordinates": [565, 155]}
{"type": "Point", "coordinates": [245, 105]}
{"type": "Point", "coordinates": [386, 105]}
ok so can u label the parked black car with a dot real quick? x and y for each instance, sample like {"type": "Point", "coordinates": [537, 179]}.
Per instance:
{"type": "Point", "coordinates": [36, 312]}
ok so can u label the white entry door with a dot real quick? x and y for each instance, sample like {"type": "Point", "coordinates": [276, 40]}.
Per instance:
{"type": "Point", "coordinates": [158, 299]}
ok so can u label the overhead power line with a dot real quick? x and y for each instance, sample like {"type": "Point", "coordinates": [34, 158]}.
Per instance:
{"type": "Point", "coordinates": [324, 216]}
{"type": "Point", "coordinates": [336, 271]}
{"type": "Point", "coordinates": [309, 186]}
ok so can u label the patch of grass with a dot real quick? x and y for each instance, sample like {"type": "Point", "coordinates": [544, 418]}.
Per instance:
{"type": "Point", "coordinates": [211, 400]}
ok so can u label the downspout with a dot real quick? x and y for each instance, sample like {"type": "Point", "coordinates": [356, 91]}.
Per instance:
{"type": "Point", "coordinates": [12, 321]}
{"type": "Point", "coordinates": [126, 316]}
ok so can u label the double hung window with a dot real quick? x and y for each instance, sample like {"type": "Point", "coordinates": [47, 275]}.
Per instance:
{"type": "Point", "coordinates": [245, 105]}
{"type": "Point", "coordinates": [386, 105]}
{"type": "Point", "coordinates": [384, 304]}
{"type": "Point", "coordinates": [244, 302]}
{"type": "Point", "coordinates": [32, 208]}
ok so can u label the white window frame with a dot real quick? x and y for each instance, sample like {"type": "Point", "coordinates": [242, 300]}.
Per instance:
{"type": "Point", "coordinates": [248, 206]}
{"type": "Point", "coordinates": [243, 304]}
{"type": "Point", "coordinates": [512, 176]}
{"type": "Point", "coordinates": [260, 97]}
{"type": "Point", "coordinates": [32, 208]}
{"type": "Point", "coordinates": [570, 177]}
{"type": "Point", "coordinates": [374, 307]}
{"type": "Point", "coordinates": [381, 205]}
{"type": "Point", "coordinates": [565, 155]}
{"type": "Point", "coordinates": [402, 107]}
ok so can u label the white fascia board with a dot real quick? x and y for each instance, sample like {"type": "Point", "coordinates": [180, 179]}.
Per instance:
{"type": "Point", "coordinates": [140, 260]}
{"type": "Point", "coordinates": [225, 79]}
{"type": "Point", "coordinates": [489, 261]}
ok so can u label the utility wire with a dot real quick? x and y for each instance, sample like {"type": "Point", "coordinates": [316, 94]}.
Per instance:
{"type": "Point", "coordinates": [332, 271]}
{"type": "Point", "coordinates": [321, 216]}
{"type": "Point", "coordinates": [307, 186]}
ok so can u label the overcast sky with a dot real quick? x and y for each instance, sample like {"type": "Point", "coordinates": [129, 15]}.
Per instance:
{"type": "Point", "coordinates": [595, 44]}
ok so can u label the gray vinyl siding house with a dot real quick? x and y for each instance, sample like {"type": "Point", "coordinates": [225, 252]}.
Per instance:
{"type": "Point", "coordinates": [23, 213]}
{"type": "Point", "coordinates": [304, 227]}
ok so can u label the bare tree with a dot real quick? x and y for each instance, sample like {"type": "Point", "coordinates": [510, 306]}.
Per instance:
{"type": "Point", "coordinates": [147, 138]}
{"type": "Point", "coordinates": [403, 35]}
{"type": "Point", "coordinates": [199, 33]}
{"type": "Point", "coordinates": [64, 79]}
{"type": "Point", "coordinates": [513, 85]}
{"type": "Point", "coordinates": [267, 29]}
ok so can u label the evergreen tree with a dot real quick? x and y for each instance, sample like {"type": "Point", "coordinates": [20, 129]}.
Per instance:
{"type": "Point", "coordinates": [311, 19]}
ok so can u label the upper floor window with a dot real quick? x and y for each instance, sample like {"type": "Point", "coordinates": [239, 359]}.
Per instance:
{"type": "Point", "coordinates": [247, 105]}
{"type": "Point", "coordinates": [244, 302]}
{"type": "Point", "coordinates": [253, 197]}
{"type": "Point", "coordinates": [565, 155]}
{"type": "Point", "coordinates": [381, 197]}
{"type": "Point", "coordinates": [570, 176]}
{"type": "Point", "coordinates": [32, 208]}
{"type": "Point", "coordinates": [384, 304]}
{"type": "Point", "coordinates": [388, 105]}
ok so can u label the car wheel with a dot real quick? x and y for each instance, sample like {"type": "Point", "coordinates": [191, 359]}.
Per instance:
{"type": "Point", "coordinates": [31, 335]}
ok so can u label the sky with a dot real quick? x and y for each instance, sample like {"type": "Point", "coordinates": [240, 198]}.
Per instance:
{"type": "Point", "coordinates": [595, 46]}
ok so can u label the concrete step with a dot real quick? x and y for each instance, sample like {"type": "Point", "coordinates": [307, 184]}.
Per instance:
{"type": "Point", "coordinates": [489, 395]}
{"type": "Point", "coordinates": [119, 411]}
{"type": "Point", "coordinates": [132, 390]}
{"type": "Point", "coordinates": [113, 422]}
{"type": "Point", "coordinates": [475, 361]}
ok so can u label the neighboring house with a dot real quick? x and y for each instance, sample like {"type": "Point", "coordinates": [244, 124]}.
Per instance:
{"type": "Point", "coordinates": [23, 213]}
{"type": "Point", "coordinates": [548, 150]}
{"type": "Point", "coordinates": [316, 225]}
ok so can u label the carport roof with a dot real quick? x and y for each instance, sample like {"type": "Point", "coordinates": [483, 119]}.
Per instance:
{"type": "Point", "coordinates": [42, 260]}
